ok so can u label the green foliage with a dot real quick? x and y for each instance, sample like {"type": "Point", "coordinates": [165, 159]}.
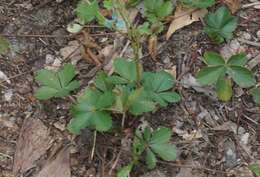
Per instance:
{"type": "Point", "coordinates": [4, 45]}
{"type": "Point", "coordinates": [153, 144]}
{"type": "Point", "coordinates": [91, 111]}
{"type": "Point", "coordinates": [157, 86]}
{"type": "Point", "coordinates": [217, 70]}
{"type": "Point", "coordinates": [256, 95]}
{"type": "Point", "coordinates": [57, 84]}
{"type": "Point", "coordinates": [125, 171]}
{"type": "Point", "coordinates": [255, 168]}
{"type": "Point", "coordinates": [119, 93]}
{"type": "Point", "coordinates": [87, 11]}
{"type": "Point", "coordinates": [220, 25]}
{"type": "Point", "coordinates": [156, 10]}
{"type": "Point", "coordinates": [199, 3]}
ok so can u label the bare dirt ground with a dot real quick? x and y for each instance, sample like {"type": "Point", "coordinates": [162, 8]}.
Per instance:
{"type": "Point", "coordinates": [213, 138]}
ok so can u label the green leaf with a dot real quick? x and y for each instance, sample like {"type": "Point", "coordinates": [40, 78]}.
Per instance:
{"type": "Point", "coordinates": [57, 84]}
{"type": "Point", "coordinates": [108, 4]}
{"type": "Point", "coordinates": [237, 60]}
{"type": "Point", "coordinates": [199, 3]}
{"type": "Point", "coordinates": [150, 159]}
{"type": "Point", "coordinates": [256, 94]}
{"type": "Point", "coordinates": [242, 76]}
{"type": "Point", "coordinates": [213, 59]}
{"type": "Point", "coordinates": [4, 45]}
{"type": "Point", "coordinates": [165, 151]}
{"type": "Point", "coordinates": [165, 9]}
{"type": "Point", "coordinates": [171, 97]}
{"type": "Point", "coordinates": [255, 168]}
{"type": "Point", "coordinates": [138, 103]}
{"type": "Point", "coordinates": [156, 10]}
{"type": "Point", "coordinates": [126, 69]}
{"type": "Point", "coordinates": [156, 84]}
{"type": "Point", "coordinates": [125, 171]}
{"type": "Point", "coordinates": [87, 11]}
{"type": "Point", "coordinates": [220, 25]}
{"type": "Point", "coordinates": [147, 134]}
{"type": "Point", "coordinates": [209, 75]}
{"type": "Point", "coordinates": [45, 93]}
{"type": "Point", "coordinates": [66, 74]}
{"type": "Point", "coordinates": [224, 89]}
{"type": "Point", "coordinates": [138, 143]}
{"type": "Point", "coordinates": [89, 112]}
{"type": "Point", "coordinates": [144, 29]}
{"type": "Point", "coordinates": [160, 136]}
{"type": "Point", "coordinates": [48, 78]}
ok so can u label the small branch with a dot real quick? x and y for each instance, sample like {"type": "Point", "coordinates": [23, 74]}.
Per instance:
{"type": "Point", "coordinates": [94, 145]}
{"type": "Point", "coordinates": [256, 44]}
{"type": "Point", "coordinates": [123, 121]}
{"type": "Point", "coordinates": [250, 5]}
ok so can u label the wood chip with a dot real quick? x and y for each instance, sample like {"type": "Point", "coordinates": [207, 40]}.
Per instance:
{"type": "Point", "coordinates": [58, 166]}
{"type": "Point", "coordinates": [33, 142]}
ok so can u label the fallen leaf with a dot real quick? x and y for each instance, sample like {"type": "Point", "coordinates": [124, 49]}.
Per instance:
{"type": "Point", "coordinates": [152, 46]}
{"type": "Point", "coordinates": [33, 142]}
{"type": "Point", "coordinates": [58, 166]}
{"type": "Point", "coordinates": [234, 5]}
{"type": "Point", "coordinates": [184, 17]}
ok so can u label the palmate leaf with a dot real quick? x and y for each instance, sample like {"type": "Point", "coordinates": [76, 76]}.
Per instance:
{"type": "Point", "coordinates": [126, 69]}
{"type": "Point", "coordinates": [237, 60]}
{"type": "Point", "coordinates": [161, 136]}
{"type": "Point", "coordinates": [213, 59]}
{"type": "Point", "coordinates": [220, 25]}
{"type": "Point", "coordinates": [89, 112]}
{"type": "Point", "coordinates": [157, 85]}
{"type": "Point", "coordinates": [199, 3]}
{"type": "Point", "coordinates": [210, 75]}
{"type": "Point", "coordinates": [150, 159]}
{"type": "Point", "coordinates": [87, 11]}
{"type": "Point", "coordinates": [242, 76]}
{"type": "Point", "coordinates": [56, 84]}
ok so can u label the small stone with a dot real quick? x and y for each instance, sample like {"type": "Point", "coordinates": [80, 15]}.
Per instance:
{"type": "Point", "coordinates": [246, 36]}
{"type": "Point", "coordinates": [258, 34]}
{"type": "Point", "coordinates": [60, 126]}
{"type": "Point", "coordinates": [8, 95]}
{"type": "Point", "coordinates": [49, 59]}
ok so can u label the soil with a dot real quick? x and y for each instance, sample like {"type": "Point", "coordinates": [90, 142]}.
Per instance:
{"type": "Point", "coordinates": [213, 138]}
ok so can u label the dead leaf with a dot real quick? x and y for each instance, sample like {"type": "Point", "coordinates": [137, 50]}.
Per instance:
{"type": "Point", "coordinates": [58, 166]}
{"type": "Point", "coordinates": [152, 46]}
{"type": "Point", "coordinates": [184, 17]}
{"type": "Point", "coordinates": [33, 142]}
{"type": "Point", "coordinates": [234, 5]}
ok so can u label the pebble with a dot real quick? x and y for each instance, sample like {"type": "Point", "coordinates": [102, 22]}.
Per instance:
{"type": "Point", "coordinates": [258, 34]}
{"type": "Point", "coordinates": [8, 94]}
{"type": "Point", "coordinates": [246, 36]}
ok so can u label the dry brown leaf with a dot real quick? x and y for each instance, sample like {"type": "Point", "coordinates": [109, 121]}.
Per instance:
{"type": "Point", "coordinates": [234, 5]}
{"type": "Point", "coordinates": [184, 17]}
{"type": "Point", "coordinates": [58, 166]}
{"type": "Point", "coordinates": [33, 142]}
{"type": "Point", "coordinates": [152, 46]}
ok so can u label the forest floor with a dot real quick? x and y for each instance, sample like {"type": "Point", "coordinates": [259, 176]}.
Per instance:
{"type": "Point", "coordinates": [214, 139]}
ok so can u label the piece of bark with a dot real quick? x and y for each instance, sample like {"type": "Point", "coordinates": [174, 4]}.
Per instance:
{"type": "Point", "coordinates": [33, 142]}
{"type": "Point", "coordinates": [57, 166]}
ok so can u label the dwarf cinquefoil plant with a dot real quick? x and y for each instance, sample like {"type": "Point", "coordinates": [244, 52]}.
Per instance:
{"type": "Point", "coordinates": [129, 91]}
{"type": "Point", "coordinates": [152, 145]}
{"type": "Point", "coordinates": [220, 73]}
{"type": "Point", "coordinates": [220, 25]}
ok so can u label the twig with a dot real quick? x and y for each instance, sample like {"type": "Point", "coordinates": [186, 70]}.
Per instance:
{"type": "Point", "coordinates": [15, 76]}
{"type": "Point", "coordinates": [94, 145]}
{"type": "Point", "coordinates": [118, 156]}
{"type": "Point", "coordinates": [51, 36]}
{"type": "Point", "coordinates": [123, 121]}
{"type": "Point", "coordinates": [256, 44]}
{"type": "Point", "coordinates": [250, 5]}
